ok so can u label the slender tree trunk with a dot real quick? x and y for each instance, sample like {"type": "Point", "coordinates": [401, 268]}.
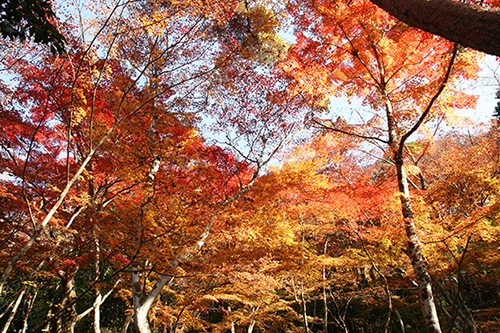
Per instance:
{"type": "Point", "coordinates": [13, 312]}
{"type": "Point", "coordinates": [142, 302]}
{"type": "Point", "coordinates": [325, 303]}
{"type": "Point", "coordinates": [252, 321]}
{"type": "Point", "coordinates": [400, 320]}
{"type": "Point", "coordinates": [97, 311]}
{"type": "Point", "coordinates": [71, 315]}
{"type": "Point", "coordinates": [49, 321]}
{"type": "Point", "coordinates": [62, 322]}
{"type": "Point", "coordinates": [68, 325]}
{"type": "Point", "coordinates": [340, 318]}
{"type": "Point", "coordinates": [126, 324]}
{"type": "Point", "coordinates": [425, 294]}
{"type": "Point", "coordinates": [251, 326]}
{"type": "Point", "coordinates": [302, 304]}
{"type": "Point", "coordinates": [304, 311]}
{"type": "Point", "coordinates": [233, 329]}
{"type": "Point", "coordinates": [141, 308]}
{"type": "Point", "coordinates": [467, 318]}
{"type": "Point", "coordinates": [325, 315]}
{"type": "Point", "coordinates": [27, 316]}
{"type": "Point", "coordinates": [452, 322]}
{"type": "Point", "coordinates": [98, 296]}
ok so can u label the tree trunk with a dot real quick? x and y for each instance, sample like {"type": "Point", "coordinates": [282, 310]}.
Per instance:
{"type": "Point", "coordinates": [251, 326]}
{"type": "Point", "coordinates": [141, 307]}
{"type": "Point", "coordinates": [304, 311]}
{"type": "Point", "coordinates": [126, 324]}
{"type": "Point", "coordinates": [302, 305]}
{"type": "Point", "coordinates": [49, 321]}
{"type": "Point", "coordinates": [143, 302]}
{"type": "Point", "coordinates": [14, 309]}
{"type": "Point", "coordinates": [400, 320]}
{"type": "Point", "coordinates": [469, 25]}
{"type": "Point", "coordinates": [413, 251]}
{"type": "Point", "coordinates": [27, 315]}
{"type": "Point", "coordinates": [64, 321]}
{"type": "Point", "coordinates": [325, 303]}
{"type": "Point", "coordinates": [71, 317]}
{"type": "Point", "coordinates": [97, 289]}
{"type": "Point", "coordinates": [252, 321]}
{"type": "Point", "coordinates": [141, 320]}
{"type": "Point", "coordinates": [466, 317]}
{"type": "Point", "coordinates": [97, 311]}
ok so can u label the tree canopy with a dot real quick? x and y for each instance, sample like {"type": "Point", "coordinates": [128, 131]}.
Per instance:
{"type": "Point", "coordinates": [182, 167]}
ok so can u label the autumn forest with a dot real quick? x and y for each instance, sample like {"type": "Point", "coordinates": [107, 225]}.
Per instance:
{"type": "Point", "coordinates": [244, 167]}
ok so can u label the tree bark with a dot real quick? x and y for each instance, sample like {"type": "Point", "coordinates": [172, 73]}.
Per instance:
{"type": "Point", "coordinates": [413, 251]}
{"type": "Point", "coordinates": [27, 315]}
{"type": "Point", "coordinates": [66, 322]}
{"type": "Point", "coordinates": [400, 320]}
{"type": "Point", "coordinates": [302, 304]}
{"type": "Point", "coordinates": [325, 303]}
{"type": "Point", "coordinates": [48, 321]}
{"type": "Point", "coordinates": [126, 324]}
{"type": "Point", "coordinates": [252, 320]}
{"type": "Point", "coordinates": [97, 311]}
{"type": "Point", "coordinates": [233, 329]}
{"type": "Point", "coordinates": [251, 326]}
{"type": "Point", "coordinates": [304, 311]}
{"type": "Point", "coordinates": [425, 295]}
{"type": "Point", "coordinates": [469, 25]}
{"type": "Point", "coordinates": [142, 302]}
{"type": "Point", "coordinates": [14, 309]}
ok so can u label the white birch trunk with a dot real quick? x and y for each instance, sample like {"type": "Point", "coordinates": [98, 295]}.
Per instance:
{"type": "Point", "coordinates": [425, 294]}
{"type": "Point", "coordinates": [97, 312]}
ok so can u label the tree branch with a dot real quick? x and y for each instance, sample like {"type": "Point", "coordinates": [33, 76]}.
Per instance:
{"type": "Point", "coordinates": [432, 101]}
{"type": "Point", "coordinates": [469, 25]}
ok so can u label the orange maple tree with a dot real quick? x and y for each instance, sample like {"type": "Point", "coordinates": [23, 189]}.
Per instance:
{"type": "Point", "coordinates": [403, 75]}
